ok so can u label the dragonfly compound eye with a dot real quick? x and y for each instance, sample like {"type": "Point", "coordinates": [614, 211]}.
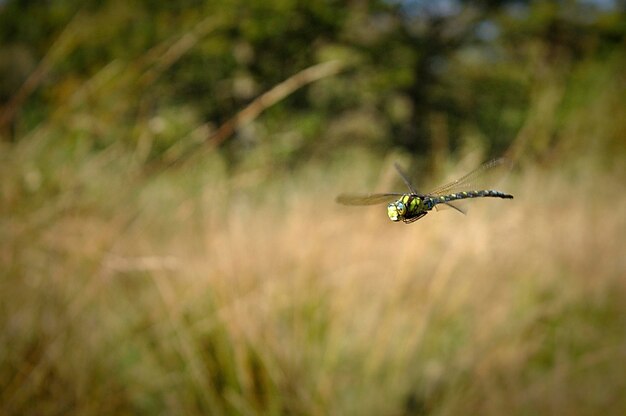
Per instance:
{"type": "Point", "coordinates": [401, 208]}
{"type": "Point", "coordinates": [392, 212]}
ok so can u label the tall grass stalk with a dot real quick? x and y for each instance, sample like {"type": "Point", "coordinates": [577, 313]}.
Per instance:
{"type": "Point", "coordinates": [197, 295]}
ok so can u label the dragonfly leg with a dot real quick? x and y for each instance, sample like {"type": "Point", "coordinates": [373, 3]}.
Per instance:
{"type": "Point", "coordinates": [417, 217]}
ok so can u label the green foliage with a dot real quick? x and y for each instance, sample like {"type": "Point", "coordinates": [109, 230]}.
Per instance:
{"type": "Point", "coordinates": [426, 79]}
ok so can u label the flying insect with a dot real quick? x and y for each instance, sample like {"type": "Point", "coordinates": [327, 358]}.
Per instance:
{"type": "Point", "coordinates": [410, 207]}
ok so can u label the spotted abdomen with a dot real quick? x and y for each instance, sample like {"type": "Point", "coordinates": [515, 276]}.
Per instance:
{"type": "Point", "coordinates": [470, 194]}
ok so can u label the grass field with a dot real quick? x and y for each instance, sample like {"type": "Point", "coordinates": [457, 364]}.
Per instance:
{"type": "Point", "coordinates": [201, 292]}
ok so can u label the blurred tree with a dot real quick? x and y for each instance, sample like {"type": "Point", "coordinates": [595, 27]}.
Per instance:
{"type": "Point", "coordinates": [426, 76]}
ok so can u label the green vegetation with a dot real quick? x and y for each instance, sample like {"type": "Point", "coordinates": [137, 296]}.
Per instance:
{"type": "Point", "coordinates": [170, 241]}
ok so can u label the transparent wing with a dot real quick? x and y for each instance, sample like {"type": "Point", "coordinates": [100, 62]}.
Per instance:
{"type": "Point", "coordinates": [366, 199]}
{"type": "Point", "coordinates": [405, 179]}
{"type": "Point", "coordinates": [482, 177]}
{"type": "Point", "coordinates": [414, 191]}
{"type": "Point", "coordinates": [453, 205]}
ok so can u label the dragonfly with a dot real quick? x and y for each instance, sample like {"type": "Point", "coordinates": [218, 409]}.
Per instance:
{"type": "Point", "coordinates": [410, 207]}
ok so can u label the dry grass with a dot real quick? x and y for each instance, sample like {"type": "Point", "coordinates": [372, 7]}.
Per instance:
{"type": "Point", "coordinates": [229, 300]}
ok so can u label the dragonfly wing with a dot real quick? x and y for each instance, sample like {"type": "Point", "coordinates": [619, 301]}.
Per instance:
{"type": "Point", "coordinates": [480, 178]}
{"type": "Point", "coordinates": [405, 178]}
{"type": "Point", "coordinates": [366, 199]}
{"type": "Point", "coordinates": [455, 206]}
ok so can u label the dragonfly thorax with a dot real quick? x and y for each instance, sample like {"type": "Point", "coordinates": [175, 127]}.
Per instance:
{"type": "Point", "coordinates": [406, 207]}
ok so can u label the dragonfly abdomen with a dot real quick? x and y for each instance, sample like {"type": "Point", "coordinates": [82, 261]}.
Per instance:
{"type": "Point", "coordinates": [489, 193]}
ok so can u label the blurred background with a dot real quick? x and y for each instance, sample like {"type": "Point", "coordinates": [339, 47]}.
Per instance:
{"type": "Point", "coordinates": [171, 244]}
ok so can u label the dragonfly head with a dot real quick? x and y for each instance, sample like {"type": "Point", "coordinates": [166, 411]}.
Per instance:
{"type": "Point", "coordinates": [396, 210]}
